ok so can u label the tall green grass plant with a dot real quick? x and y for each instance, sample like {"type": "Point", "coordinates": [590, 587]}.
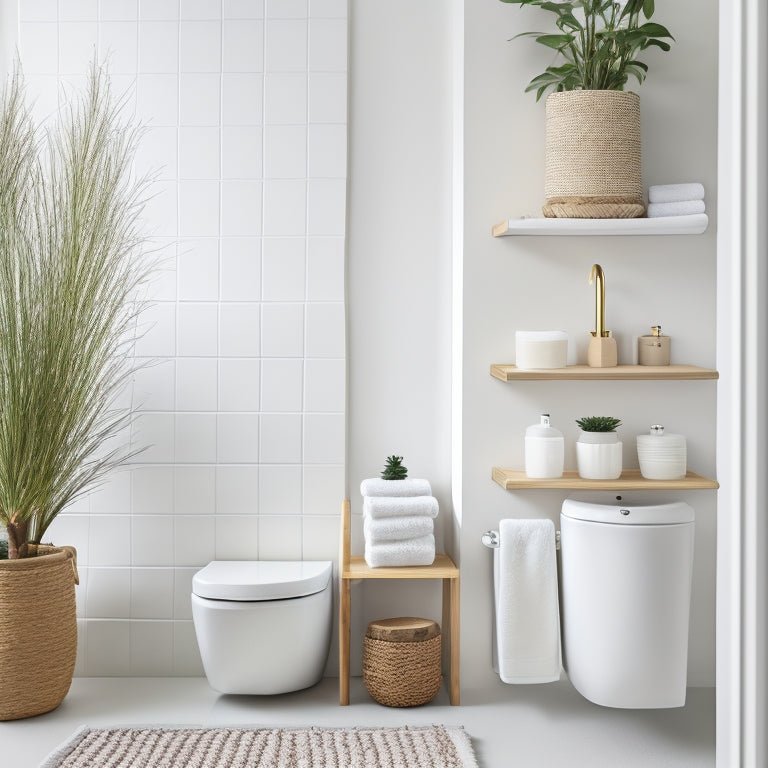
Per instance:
{"type": "Point", "coordinates": [71, 269]}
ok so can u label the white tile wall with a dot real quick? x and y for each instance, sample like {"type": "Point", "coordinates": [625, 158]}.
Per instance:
{"type": "Point", "coordinates": [242, 397]}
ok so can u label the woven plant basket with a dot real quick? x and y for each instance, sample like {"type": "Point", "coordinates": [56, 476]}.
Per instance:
{"type": "Point", "coordinates": [38, 631]}
{"type": "Point", "coordinates": [593, 155]}
{"type": "Point", "coordinates": [402, 673]}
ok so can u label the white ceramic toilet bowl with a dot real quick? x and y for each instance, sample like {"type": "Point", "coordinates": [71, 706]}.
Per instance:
{"type": "Point", "coordinates": [626, 592]}
{"type": "Point", "coordinates": [263, 627]}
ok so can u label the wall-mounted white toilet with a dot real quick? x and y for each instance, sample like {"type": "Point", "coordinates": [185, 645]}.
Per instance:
{"type": "Point", "coordinates": [626, 589]}
{"type": "Point", "coordinates": [263, 627]}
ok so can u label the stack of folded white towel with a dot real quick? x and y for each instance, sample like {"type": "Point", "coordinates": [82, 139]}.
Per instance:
{"type": "Point", "coordinates": [398, 522]}
{"type": "Point", "coordinates": [675, 200]}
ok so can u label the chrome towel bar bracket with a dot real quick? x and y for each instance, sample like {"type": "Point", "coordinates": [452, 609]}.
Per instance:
{"type": "Point", "coordinates": [490, 539]}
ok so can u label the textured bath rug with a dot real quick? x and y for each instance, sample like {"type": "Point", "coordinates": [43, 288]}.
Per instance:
{"type": "Point", "coordinates": [429, 747]}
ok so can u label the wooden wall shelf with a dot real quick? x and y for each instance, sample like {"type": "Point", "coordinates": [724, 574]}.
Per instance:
{"type": "Point", "coordinates": [618, 373]}
{"type": "Point", "coordinates": [667, 225]}
{"type": "Point", "coordinates": [351, 568]}
{"type": "Point", "coordinates": [630, 480]}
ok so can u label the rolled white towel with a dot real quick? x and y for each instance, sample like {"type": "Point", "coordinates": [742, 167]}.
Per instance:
{"type": "Point", "coordinates": [680, 208]}
{"type": "Point", "coordinates": [411, 486]}
{"type": "Point", "coordinates": [382, 506]}
{"type": "Point", "coordinates": [419, 551]}
{"type": "Point", "coordinates": [675, 193]}
{"type": "Point", "coordinates": [383, 529]}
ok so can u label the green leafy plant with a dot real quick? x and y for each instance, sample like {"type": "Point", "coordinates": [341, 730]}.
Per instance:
{"type": "Point", "coordinates": [71, 265]}
{"type": "Point", "coordinates": [598, 424]}
{"type": "Point", "coordinates": [599, 40]}
{"type": "Point", "coordinates": [394, 469]}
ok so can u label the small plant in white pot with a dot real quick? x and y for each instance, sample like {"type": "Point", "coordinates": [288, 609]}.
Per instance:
{"type": "Point", "coordinates": [598, 449]}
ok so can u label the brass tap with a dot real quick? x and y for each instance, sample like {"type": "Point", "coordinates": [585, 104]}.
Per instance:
{"type": "Point", "coordinates": [597, 276]}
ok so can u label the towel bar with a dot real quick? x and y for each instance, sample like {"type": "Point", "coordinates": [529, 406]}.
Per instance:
{"type": "Point", "coordinates": [490, 539]}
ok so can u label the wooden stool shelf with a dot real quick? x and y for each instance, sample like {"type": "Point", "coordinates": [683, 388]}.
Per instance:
{"type": "Point", "coordinates": [356, 568]}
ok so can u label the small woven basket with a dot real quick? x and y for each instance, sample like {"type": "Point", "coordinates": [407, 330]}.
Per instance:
{"type": "Point", "coordinates": [38, 631]}
{"type": "Point", "coordinates": [402, 672]}
{"type": "Point", "coordinates": [593, 155]}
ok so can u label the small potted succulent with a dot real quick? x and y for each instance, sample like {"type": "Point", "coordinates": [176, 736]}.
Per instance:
{"type": "Point", "coordinates": [598, 449]}
{"type": "Point", "coordinates": [593, 150]}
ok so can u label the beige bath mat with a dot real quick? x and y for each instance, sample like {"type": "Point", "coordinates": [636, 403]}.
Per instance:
{"type": "Point", "coordinates": [435, 746]}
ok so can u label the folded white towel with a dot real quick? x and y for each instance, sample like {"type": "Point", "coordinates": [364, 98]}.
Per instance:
{"type": "Point", "coordinates": [673, 193]}
{"type": "Point", "coordinates": [411, 486]}
{"type": "Point", "coordinates": [396, 528]}
{"type": "Point", "coordinates": [680, 208]}
{"type": "Point", "coordinates": [382, 506]}
{"type": "Point", "coordinates": [527, 616]}
{"type": "Point", "coordinates": [419, 551]}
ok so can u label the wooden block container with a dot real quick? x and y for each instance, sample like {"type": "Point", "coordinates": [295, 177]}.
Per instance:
{"type": "Point", "coordinates": [401, 661]}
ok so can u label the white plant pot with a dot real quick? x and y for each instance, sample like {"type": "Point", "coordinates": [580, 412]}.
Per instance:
{"type": "Point", "coordinates": [598, 455]}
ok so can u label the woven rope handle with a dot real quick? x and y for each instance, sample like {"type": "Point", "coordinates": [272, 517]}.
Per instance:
{"type": "Point", "coordinates": [72, 552]}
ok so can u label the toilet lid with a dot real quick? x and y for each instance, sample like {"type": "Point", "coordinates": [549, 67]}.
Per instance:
{"type": "Point", "coordinates": [672, 513]}
{"type": "Point", "coordinates": [260, 580]}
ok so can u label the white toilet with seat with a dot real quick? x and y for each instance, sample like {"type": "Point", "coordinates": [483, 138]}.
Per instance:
{"type": "Point", "coordinates": [263, 627]}
{"type": "Point", "coordinates": [626, 593]}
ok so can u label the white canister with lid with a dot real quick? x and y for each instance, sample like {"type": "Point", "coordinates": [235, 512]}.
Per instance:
{"type": "Point", "coordinates": [544, 450]}
{"type": "Point", "coordinates": [661, 456]}
{"type": "Point", "coordinates": [541, 349]}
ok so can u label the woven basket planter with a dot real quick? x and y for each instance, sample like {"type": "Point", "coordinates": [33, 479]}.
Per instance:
{"type": "Point", "coordinates": [402, 673]}
{"type": "Point", "coordinates": [38, 632]}
{"type": "Point", "coordinates": [593, 155]}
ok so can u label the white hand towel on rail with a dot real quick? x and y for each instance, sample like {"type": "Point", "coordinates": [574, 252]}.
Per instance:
{"type": "Point", "coordinates": [411, 486]}
{"type": "Point", "coordinates": [419, 551]}
{"type": "Point", "coordinates": [680, 208]}
{"type": "Point", "coordinates": [673, 193]}
{"type": "Point", "coordinates": [382, 506]}
{"type": "Point", "coordinates": [527, 617]}
{"type": "Point", "coordinates": [382, 529]}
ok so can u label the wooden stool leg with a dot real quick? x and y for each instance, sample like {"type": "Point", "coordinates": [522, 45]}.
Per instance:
{"type": "Point", "coordinates": [451, 616]}
{"type": "Point", "coordinates": [344, 630]}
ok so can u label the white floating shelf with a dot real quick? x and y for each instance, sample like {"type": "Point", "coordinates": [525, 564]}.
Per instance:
{"type": "Point", "coordinates": [667, 225]}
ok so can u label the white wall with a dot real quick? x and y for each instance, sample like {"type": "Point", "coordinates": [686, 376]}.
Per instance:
{"type": "Point", "coordinates": [399, 271]}
{"type": "Point", "coordinates": [534, 283]}
{"type": "Point", "coordinates": [245, 103]}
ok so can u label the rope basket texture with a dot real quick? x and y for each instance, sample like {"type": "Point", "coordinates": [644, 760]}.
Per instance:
{"type": "Point", "coordinates": [593, 155]}
{"type": "Point", "coordinates": [38, 631]}
{"type": "Point", "coordinates": [402, 673]}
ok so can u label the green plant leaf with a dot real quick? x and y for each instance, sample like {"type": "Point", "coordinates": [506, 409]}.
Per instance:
{"type": "Point", "coordinates": [652, 29]}
{"type": "Point", "coordinates": [648, 8]}
{"type": "Point", "coordinates": [569, 21]}
{"type": "Point", "coordinates": [527, 34]}
{"type": "Point", "coordinates": [559, 9]}
{"type": "Point", "coordinates": [658, 43]}
{"type": "Point", "coordinates": [636, 72]}
{"type": "Point", "coordinates": [555, 41]}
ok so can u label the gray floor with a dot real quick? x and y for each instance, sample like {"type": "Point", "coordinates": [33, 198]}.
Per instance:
{"type": "Point", "coordinates": [513, 727]}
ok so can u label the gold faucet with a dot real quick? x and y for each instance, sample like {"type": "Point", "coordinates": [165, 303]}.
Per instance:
{"type": "Point", "coordinates": [597, 276]}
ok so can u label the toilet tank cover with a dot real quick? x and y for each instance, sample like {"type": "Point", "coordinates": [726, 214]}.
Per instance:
{"type": "Point", "coordinates": [249, 580]}
{"type": "Point", "coordinates": [673, 513]}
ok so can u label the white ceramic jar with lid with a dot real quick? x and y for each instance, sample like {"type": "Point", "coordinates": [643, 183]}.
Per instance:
{"type": "Point", "coordinates": [661, 456]}
{"type": "Point", "coordinates": [544, 450]}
